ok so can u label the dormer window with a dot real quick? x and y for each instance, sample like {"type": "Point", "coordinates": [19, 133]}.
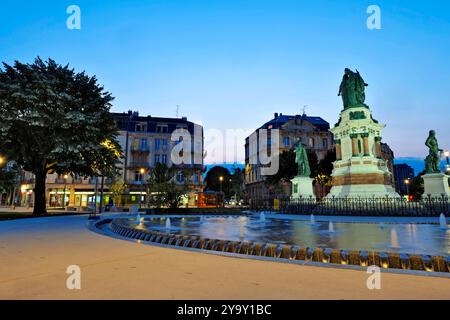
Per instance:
{"type": "Point", "coordinates": [141, 127]}
{"type": "Point", "coordinates": [162, 128]}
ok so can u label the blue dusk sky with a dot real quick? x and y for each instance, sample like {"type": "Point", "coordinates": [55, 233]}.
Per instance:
{"type": "Point", "coordinates": [231, 64]}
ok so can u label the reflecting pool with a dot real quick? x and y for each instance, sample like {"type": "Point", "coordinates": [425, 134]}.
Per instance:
{"type": "Point", "coordinates": [413, 238]}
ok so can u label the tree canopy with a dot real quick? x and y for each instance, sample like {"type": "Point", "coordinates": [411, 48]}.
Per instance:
{"type": "Point", "coordinates": [162, 189]}
{"type": "Point", "coordinates": [53, 119]}
{"type": "Point", "coordinates": [213, 177]}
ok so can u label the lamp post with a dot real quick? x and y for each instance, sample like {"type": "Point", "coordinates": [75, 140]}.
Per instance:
{"type": "Point", "coordinates": [93, 215]}
{"type": "Point", "coordinates": [64, 193]}
{"type": "Point", "coordinates": [407, 186]}
{"type": "Point", "coordinates": [142, 172]}
{"type": "Point", "coordinates": [221, 191]}
{"type": "Point", "coordinates": [221, 180]}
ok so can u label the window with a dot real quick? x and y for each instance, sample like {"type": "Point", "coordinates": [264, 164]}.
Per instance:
{"type": "Point", "coordinates": [157, 144]}
{"type": "Point", "coordinates": [311, 142]}
{"type": "Point", "coordinates": [286, 141]}
{"type": "Point", "coordinates": [164, 145]}
{"type": "Point", "coordinates": [144, 144]}
{"type": "Point", "coordinates": [161, 128]}
{"type": "Point", "coordinates": [325, 143]}
{"type": "Point", "coordinates": [164, 159]}
{"type": "Point", "coordinates": [157, 158]}
{"type": "Point", "coordinates": [140, 127]}
{"type": "Point", "coordinates": [180, 177]}
{"type": "Point", "coordinates": [196, 178]}
{"type": "Point", "coordinates": [138, 176]}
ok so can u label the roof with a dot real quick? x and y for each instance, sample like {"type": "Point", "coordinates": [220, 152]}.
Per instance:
{"type": "Point", "coordinates": [281, 119]}
{"type": "Point", "coordinates": [126, 120]}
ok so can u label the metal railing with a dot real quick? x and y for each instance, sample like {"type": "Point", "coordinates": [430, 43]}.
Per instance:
{"type": "Point", "coordinates": [428, 206]}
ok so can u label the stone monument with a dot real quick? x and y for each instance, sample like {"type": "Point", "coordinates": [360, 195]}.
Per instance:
{"type": "Point", "coordinates": [359, 169]}
{"type": "Point", "coordinates": [302, 184]}
{"type": "Point", "coordinates": [435, 182]}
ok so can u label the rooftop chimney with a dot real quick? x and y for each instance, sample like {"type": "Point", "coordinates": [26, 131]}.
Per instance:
{"type": "Point", "coordinates": [275, 115]}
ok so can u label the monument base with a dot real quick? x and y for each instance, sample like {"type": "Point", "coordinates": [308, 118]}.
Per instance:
{"type": "Point", "coordinates": [302, 188]}
{"type": "Point", "coordinates": [436, 185]}
{"type": "Point", "coordinates": [369, 191]}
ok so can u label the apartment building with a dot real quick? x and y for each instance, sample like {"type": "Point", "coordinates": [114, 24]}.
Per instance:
{"type": "Point", "coordinates": [312, 131]}
{"type": "Point", "coordinates": [145, 141]}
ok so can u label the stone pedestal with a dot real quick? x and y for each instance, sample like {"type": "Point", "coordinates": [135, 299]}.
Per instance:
{"type": "Point", "coordinates": [302, 188]}
{"type": "Point", "coordinates": [436, 185]}
{"type": "Point", "coordinates": [360, 170]}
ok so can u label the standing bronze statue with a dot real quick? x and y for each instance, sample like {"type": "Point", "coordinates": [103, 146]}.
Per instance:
{"type": "Point", "coordinates": [301, 159]}
{"type": "Point", "coordinates": [433, 160]}
{"type": "Point", "coordinates": [352, 89]}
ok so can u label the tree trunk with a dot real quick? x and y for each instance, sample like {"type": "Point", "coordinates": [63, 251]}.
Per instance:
{"type": "Point", "coordinates": [40, 207]}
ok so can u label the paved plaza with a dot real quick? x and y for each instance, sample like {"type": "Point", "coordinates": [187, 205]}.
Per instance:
{"type": "Point", "coordinates": [35, 254]}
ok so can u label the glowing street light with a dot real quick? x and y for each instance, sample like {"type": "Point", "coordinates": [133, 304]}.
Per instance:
{"type": "Point", "coordinates": [142, 172]}
{"type": "Point", "coordinates": [221, 180]}
{"type": "Point", "coordinates": [2, 160]}
{"type": "Point", "coordinates": [407, 182]}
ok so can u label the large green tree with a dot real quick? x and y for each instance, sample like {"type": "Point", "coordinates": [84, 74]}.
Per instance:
{"type": "Point", "coordinates": [8, 179]}
{"type": "Point", "coordinates": [416, 188]}
{"type": "Point", "coordinates": [213, 180]}
{"type": "Point", "coordinates": [288, 169]}
{"type": "Point", "coordinates": [53, 119]}
{"type": "Point", "coordinates": [163, 187]}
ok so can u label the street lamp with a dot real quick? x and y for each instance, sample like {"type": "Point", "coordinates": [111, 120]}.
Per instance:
{"type": "Point", "coordinates": [407, 186]}
{"type": "Point", "coordinates": [221, 190]}
{"type": "Point", "coordinates": [2, 161]}
{"type": "Point", "coordinates": [64, 193]}
{"type": "Point", "coordinates": [142, 172]}
{"type": "Point", "coordinates": [221, 180]}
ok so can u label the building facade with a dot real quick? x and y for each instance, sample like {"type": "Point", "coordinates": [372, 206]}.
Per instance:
{"type": "Point", "coordinates": [403, 173]}
{"type": "Point", "coordinates": [145, 141]}
{"type": "Point", "coordinates": [312, 131]}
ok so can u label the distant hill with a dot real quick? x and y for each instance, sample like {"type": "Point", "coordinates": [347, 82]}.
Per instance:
{"type": "Point", "coordinates": [418, 164]}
